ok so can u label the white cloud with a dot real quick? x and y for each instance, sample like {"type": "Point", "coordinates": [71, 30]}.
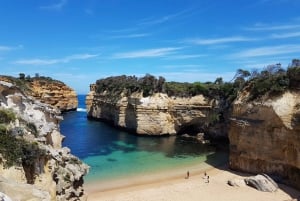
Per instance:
{"type": "Point", "coordinates": [286, 35]}
{"type": "Point", "coordinates": [186, 56]}
{"type": "Point", "coordinates": [56, 6]}
{"type": "Point", "coordinates": [158, 52]}
{"type": "Point", "coordinates": [182, 66]}
{"type": "Point", "coordinates": [5, 48]}
{"type": "Point", "coordinates": [55, 61]}
{"type": "Point", "coordinates": [130, 36]}
{"type": "Point", "coordinates": [153, 21]}
{"type": "Point", "coordinates": [9, 48]}
{"type": "Point", "coordinates": [267, 51]}
{"type": "Point", "coordinates": [213, 41]}
{"type": "Point", "coordinates": [266, 27]}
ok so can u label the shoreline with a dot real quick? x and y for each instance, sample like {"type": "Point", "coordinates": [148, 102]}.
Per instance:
{"type": "Point", "coordinates": [173, 186]}
{"type": "Point", "coordinates": [154, 177]}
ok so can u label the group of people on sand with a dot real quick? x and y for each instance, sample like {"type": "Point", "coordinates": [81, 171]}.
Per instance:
{"type": "Point", "coordinates": [205, 177]}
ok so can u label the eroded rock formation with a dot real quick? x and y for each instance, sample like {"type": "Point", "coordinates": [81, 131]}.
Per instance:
{"type": "Point", "coordinates": [50, 172]}
{"type": "Point", "coordinates": [264, 136]}
{"type": "Point", "coordinates": [55, 93]}
{"type": "Point", "coordinates": [47, 90]}
{"type": "Point", "coordinates": [157, 114]}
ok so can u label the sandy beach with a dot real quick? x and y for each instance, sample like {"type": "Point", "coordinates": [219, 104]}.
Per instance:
{"type": "Point", "coordinates": [173, 186]}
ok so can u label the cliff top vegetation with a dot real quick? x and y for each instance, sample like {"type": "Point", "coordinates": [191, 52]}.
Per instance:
{"type": "Point", "coordinates": [23, 81]}
{"type": "Point", "coordinates": [149, 85]}
{"type": "Point", "coordinates": [270, 81]}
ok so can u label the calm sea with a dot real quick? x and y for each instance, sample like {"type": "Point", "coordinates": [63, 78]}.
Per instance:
{"type": "Point", "coordinates": [114, 154]}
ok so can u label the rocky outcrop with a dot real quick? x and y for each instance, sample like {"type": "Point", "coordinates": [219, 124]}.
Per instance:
{"type": "Point", "coordinates": [47, 90]}
{"type": "Point", "coordinates": [48, 171]}
{"type": "Point", "coordinates": [54, 93]}
{"type": "Point", "coordinates": [157, 114]}
{"type": "Point", "coordinates": [264, 136]}
{"type": "Point", "coordinates": [262, 183]}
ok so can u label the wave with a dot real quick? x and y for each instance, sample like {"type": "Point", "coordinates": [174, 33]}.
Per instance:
{"type": "Point", "coordinates": [81, 110]}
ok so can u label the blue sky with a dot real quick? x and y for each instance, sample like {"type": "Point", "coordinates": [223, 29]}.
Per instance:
{"type": "Point", "coordinates": [80, 41]}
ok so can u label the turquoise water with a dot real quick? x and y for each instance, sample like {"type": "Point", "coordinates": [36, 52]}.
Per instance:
{"type": "Point", "coordinates": [114, 154]}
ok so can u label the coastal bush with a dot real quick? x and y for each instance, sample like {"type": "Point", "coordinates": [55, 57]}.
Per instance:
{"type": "Point", "coordinates": [293, 73]}
{"type": "Point", "coordinates": [3, 128]}
{"type": "Point", "coordinates": [10, 149]}
{"type": "Point", "coordinates": [32, 127]}
{"type": "Point", "coordinates": [271, 81]}
{"type": "Point", "coordinates": [149, 84]}
{"type": "Point", "coordinates": [17, 151]}
{"type": "Point", "coordinates": [130, 84]}
{"type": "Point", "coordinates": [7, 116]}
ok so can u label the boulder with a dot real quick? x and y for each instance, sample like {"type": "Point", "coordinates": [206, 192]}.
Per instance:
{"type": "Point", "coordinates": [262, 182]}
{"type": "Point", "coordinates": [236, 182]}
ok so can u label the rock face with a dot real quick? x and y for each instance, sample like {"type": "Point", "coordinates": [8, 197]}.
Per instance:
{"type": "Point", "coordinates": [54, 175]}
{"type": "Point", "coordinates": [157, 114]}
{"type": "Point", "coordinates": [48, 91]}
{"type": "Point", "coordinates": [55, 93]}
{"type": "Point", "coordinates": [264, 136]}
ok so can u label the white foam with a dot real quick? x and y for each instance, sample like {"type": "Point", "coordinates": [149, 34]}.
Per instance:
{"type": "Point", "coordinates": [81, 110]}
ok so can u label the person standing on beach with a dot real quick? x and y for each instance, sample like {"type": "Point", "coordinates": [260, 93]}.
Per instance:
{"type": "Point", "coordinates": [187, 174]}
{"type": "Point", "coordinates": [206, 177]}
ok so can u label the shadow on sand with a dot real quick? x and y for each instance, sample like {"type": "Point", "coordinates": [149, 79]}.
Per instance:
{"type": "Point", "coordinates": [221, 162]}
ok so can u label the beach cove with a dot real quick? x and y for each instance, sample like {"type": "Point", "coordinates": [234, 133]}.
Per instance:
{"type": "Point", "coordinates": [133, 168]}
{"type": "Point", "coordinates": [175, 187]}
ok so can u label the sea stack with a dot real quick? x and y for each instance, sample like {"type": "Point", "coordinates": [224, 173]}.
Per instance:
{"type": "Point", "coordinates": [127, 106]}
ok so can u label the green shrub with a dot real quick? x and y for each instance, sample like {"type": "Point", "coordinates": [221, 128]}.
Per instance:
{"type": "Point", "coordinates": [3, 128]}
{"type": "Point", "coordinates": [7, 116]}
{"type": "Point", "coordinates": [32, 128]}
{"type": "Point", "coordinates": [11, 149]}
{"type": "Point", "coordinates": [293, 74]}
{"type": "Point", "coordinates": [17, 151]}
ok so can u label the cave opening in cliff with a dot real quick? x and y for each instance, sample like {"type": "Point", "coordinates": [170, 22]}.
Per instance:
{"type": "Point", "coordinates": [190, 129]}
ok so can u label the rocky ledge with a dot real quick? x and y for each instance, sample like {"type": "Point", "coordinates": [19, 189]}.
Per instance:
{"type": "Point", "coordinates": [33, 163]}
{"type": "Point", "coordinates": [47, 90]}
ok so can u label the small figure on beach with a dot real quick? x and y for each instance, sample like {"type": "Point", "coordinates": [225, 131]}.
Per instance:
{"type": "Point", "coordinates": [187, 174]}
{"type": "Point", "coordinates": [206, 177]}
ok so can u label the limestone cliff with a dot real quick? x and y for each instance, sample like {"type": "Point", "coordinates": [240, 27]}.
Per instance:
{"type": "Point", "coordinates": [264, 136]}
{"type": "Point", "coordinates": [48, 91]}
{"type": "Point", "coordinates": [55, 93]}
{"type": "Point", "coordinates": [38, 167]}
{"type": "Point", "coordinates": [157, 114]}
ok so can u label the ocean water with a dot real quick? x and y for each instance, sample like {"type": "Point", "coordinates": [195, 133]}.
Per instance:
{"type": "Point", "coordinates": [114, 154]}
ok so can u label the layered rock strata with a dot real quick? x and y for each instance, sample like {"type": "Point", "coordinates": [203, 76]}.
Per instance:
{"type": "Point", "coordinates": [47, 90]}
{"type": "Point", "coordinates": [54, 175]}
{"type": "Point", "coordinates": [264, 136]}
{"type": "Point", "coordinates": [157, 114]}
{"type": "Point", "coordinates": [55, 93]}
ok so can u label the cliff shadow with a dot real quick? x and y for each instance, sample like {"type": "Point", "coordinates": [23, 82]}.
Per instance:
{"type": "Point", "coordinates": [130, 118]}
